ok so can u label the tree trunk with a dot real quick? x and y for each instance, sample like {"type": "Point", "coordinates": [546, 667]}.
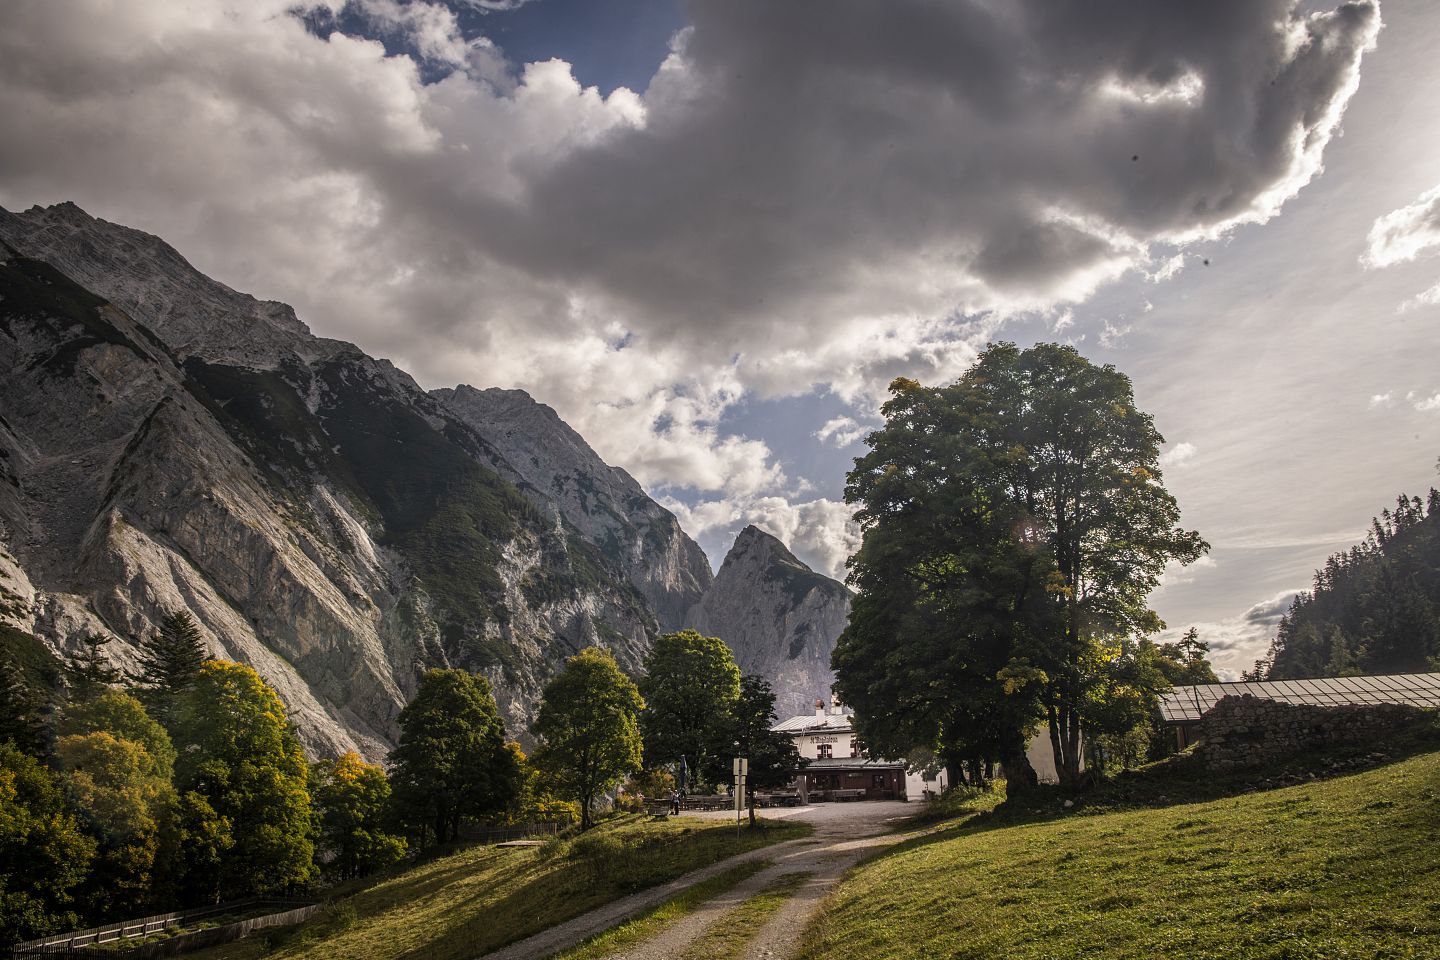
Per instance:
{"type": "Point", "coordinates": [751, 804]}
{"type": "Point", "coordinates": [585, 812]}
{"type": "Point", "coordinates": [1020, 777]}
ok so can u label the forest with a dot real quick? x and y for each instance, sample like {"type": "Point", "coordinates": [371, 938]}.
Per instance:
{"type": "Point", "coordinates": [1371, 609]}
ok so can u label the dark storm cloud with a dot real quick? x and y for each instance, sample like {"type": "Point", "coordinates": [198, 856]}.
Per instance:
{"type": "Point", "coordinates": [831, 154]}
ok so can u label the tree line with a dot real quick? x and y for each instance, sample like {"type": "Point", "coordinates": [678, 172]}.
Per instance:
{"type": "Point", "coordinates": [184, 783]}
{"type": "Point", "coordinates": [1372, 609]}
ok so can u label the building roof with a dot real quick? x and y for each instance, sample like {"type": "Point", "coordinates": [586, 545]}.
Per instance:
{"type": "Point", "coordinates": [809, 723]}
{"type": "Point", "coordinates": [1187, 704]}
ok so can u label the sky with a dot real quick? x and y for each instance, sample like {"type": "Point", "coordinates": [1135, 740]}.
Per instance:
{"type": "Point", "coordinates": [710, 233]}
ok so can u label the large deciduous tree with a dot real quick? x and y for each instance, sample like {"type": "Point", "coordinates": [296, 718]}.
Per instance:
{"type": "Point", "coordinates": [588, 728]}
{"type": "Point", "coordinates": [44, 852]}
{"type": "Point", "coordinates": [352, 799]}
{"type": "Point", "coordinates": [690, 685]}
{"type": "Point", "coordinates": [452, 763]}
{"type": "Point", "coordinates": [238, 751]}
{"type": "Point", "coordinates": [1014, 525]}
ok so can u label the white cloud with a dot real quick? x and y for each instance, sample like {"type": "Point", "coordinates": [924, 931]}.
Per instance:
{"type": "Point", "coordinates": [1178, 455]}
{"type": "Point", "coordinates": [1403, 235]}
{"type": "Point", "coordinates": [1382, 401]}
{"type": "Point", "coordinates": [1426, 298]}
{"type": "Point", "coordinates": [1426, 404]}
{"type": "Point", "coordinates": [841, 431]}
{"type": "Point", "coordinates": [820, 532]}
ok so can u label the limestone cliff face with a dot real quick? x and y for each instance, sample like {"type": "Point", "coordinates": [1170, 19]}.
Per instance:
{"type": "Point", "coordinates": [779, 617]}
{"type": "Point", "coordinates": [166, 441]}
{"type": "Point", "coordinates": [555, 467]}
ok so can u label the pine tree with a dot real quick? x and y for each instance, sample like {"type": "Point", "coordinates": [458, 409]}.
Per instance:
{"type": "Point", "coordinates": [19, 709]}
{"type": "Point", "coordinates": [90, 672]}
{"type": "Point", "coordinates": [170, 661]}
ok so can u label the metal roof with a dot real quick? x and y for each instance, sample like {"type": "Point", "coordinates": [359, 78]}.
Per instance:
{"type": "Point", "coordinates": [809, 723]}
{"type": "Point", "coordinates": [1187, 704]}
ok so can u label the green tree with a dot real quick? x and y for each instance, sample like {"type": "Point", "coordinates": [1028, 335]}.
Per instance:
{"type": "Point", "coordinates": [117, 765]}
{"type": "Point", "coordinates": [238, 751]}
{"type": "Point", "coordinates": [690, 685]}
{"type": "Point", "coordinates": [588, 728]}
{"type": "Point", "coordinates": [451, 763]}
{"type": "Point", "coordinates": [1187, 661]}
{"type": "Point", "coordinates": [352, 798]}
{"type": "Point", "coordinates": [20, 708]}
{"type": "Point", "coordinates": [170, 661]}
{"type": "Point", "coordinates": [44, 852]}
{"type": "Point", "coordinates": [1014, 525]}
{"type": "Point", "coordinates": [90, 671]}
{"type": "Point", "coordinates": [774, 760]}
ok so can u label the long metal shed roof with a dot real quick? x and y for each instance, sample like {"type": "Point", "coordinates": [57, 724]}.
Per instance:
{"type": "Point", "coordinates": [1187, 704]}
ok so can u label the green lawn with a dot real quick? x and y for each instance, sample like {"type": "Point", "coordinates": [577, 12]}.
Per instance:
{"type": "Point", "coordinates": [1340, 869]}
{"type": "Point", "coordinates": [477, 900]}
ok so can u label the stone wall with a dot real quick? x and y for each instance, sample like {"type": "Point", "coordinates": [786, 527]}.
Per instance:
{"type": "Point", "coordinates": [1247, 731]}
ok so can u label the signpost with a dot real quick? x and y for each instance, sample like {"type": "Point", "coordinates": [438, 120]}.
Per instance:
{"type": "Point", "coordinates": [741, 767]}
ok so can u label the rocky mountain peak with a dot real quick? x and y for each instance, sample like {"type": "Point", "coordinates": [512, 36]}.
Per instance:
{"type": "Point", "coordinates": [780, 618]}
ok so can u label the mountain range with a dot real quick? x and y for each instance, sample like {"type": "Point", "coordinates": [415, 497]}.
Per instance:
{"type": "Point", "coordinates": [167, 442]}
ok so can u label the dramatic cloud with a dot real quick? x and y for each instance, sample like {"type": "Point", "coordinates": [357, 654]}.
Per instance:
{"type": "Point", "coordinates": [1237, 642]}
{"type": "Point", "coordinates": [818, 531]}
{"type": "Point", "coordinates": [808, 194]}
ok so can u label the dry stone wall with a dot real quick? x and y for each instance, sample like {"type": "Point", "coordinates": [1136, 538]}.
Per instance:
{"type": "Point", "coordinates": [1247, 731]}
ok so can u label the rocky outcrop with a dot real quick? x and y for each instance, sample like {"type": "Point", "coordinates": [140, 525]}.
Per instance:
{"type": "Point", "coordinates": [779, 617]}
{"type": "Point", "coordinates": [555, 467]}
{"type": "Point", "coordinates": [168, 442]}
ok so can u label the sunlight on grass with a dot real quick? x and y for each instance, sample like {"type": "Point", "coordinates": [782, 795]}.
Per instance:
{"type": "Point", "coordinates": [478, 900]}
{"type": "Point", "coordinates": [1344, 869]}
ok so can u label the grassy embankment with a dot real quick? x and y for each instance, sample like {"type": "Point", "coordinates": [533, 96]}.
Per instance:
{"type": "Point", "coordinates": [1334, 869]}
{"type": "Point", "coordinates": [482, 898]}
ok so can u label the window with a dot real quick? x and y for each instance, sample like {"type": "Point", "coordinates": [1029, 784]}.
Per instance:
{"type": "Point", "coordinates": [878, 781]}
{"type": "Point", "coordinates": [823, 751]}
{"type": "Point", "coordinates": [854, 747]}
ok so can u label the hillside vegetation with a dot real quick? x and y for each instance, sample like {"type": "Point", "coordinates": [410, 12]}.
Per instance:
{"type": "Point", "coordinates": [1373, 609]}
{"type": "Point", "coordinates": [1339, 869]}
{"type": "Point", "coordinates": [480, 899]}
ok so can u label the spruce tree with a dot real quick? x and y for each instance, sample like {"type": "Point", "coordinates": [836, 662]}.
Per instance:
{"type": "Point", "coordinates": [89, 672]}
{"type": "Point", "coordinates": [170, 661]}
{"type": "Point", "coordinates": [20, 708]}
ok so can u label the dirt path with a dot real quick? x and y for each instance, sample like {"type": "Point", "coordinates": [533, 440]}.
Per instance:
{"type": "Point", "coordinates": [844, 833]}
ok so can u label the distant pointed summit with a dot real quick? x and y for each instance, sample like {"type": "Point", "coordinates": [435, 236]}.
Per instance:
{"type": "Point", "coordinates": [779, 617]}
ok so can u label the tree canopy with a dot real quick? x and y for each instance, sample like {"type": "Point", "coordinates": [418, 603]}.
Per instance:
{"type": "Point", "coordinates": [451, 763]}
{"type": "Point", "coordinates": [588, 727]}
{"type": "Point", "coordinates": [1014, 524]}
{"type": "Point", "coordinates": [352, 798]}
{"type": "Point", "coordinates": [238, 751]}
{"type": "Point", "coordinates": [690, 684]}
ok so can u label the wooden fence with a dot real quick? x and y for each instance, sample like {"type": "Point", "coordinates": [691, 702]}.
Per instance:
{"type": "Point", "coordinates": [92, 942]}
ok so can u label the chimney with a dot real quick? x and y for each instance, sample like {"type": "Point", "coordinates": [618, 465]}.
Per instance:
{"type": "Point", "coordinates": [819, 708]}
{"type": "Point", "coordinates": [836, 707]}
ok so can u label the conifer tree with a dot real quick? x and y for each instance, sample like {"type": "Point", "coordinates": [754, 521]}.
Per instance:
{"type": "Point", "coordinates": [90, 672]}
{"type": "Point", "coordinates": [170, 661]}
{"type": "Point", "coordinates": [19, 708]}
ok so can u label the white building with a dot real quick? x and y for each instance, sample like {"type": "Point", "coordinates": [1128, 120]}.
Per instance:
{"type": "Point", "coordinates": [838, 767]}
{"type": "Point", "coordinates": [840, 770]}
